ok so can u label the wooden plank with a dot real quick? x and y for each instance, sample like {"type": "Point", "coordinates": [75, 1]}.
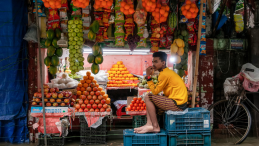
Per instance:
{"type": "Point", "coordinates": [210, 7]}
{"type": "Point", "coordinates": [197, 54]}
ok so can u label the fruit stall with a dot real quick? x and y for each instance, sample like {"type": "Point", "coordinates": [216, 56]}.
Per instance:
{"type": "Point", "coordinates": [96, 53]}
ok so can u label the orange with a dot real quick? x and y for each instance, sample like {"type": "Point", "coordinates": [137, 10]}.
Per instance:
{"type": "Point", "coordinates": [122, 9]}
{"type": "Point", "coordinates": [104, 3]}
{"type": "Point", "coordinates": [153, 5]}
{"type": "Point", "coordinates": [188, 15]}
{"type": "Point", "coordinates": [97, 3]}
{"type": "Point", "coordinates": [52, 3]}
{"type": "Point", "coordinates": [82, 81]}
{"type": "Point", "coordinates": [108, 100]}
{"type": "Point", "coordinates": [131, 11]}
{"type": "Point", "coordinates": [126, 12]}
{"type": "Point", "coordinates": [153, 1]}
{"type": "Point", "coordinates": [162, 11]}
{"type": "Point", "coordinates": [83, 89]}
{"type": "Point", "coordinates": [187, 7]}
{"type": "Point", "coordinates": [132, 6]}
{"type": "Point", "coordinates": [165, 14]}
{"type": "Point", "coordinates": [157, 10]}
{"type": "Point", "coordinates": [85, 85]}
{"type": "Point", "coordinates": [194, 15]}
{"type": "Point", "coordinates": [78, 92]}
{"type": "Point", "coordinates": [97, 85]}
{"type": "Point", "coordinates": [167, 8]}
{"type": "Point", "coordinates": [58, 3]}
{"type": "Point", "coordinates": [144, 4]}
{"type": "Point", "coordinates": [182, 8]}
{"type": "Point", "coordinates": [109, 3]}
{"type": "Point", "coordinates": [88, 73]}
{"type": "Point", "coordinates": [126, 7]}
{"type": "Point", "coordinates": [149, 4]}
{"type": "Point", "coordinates": [79, 85]}
{"type": "Point", "coordinates": [192, 10]}
{"type": "Point", "coordinates": [193, 5]}
{"type": "Point", "coordinates": [46, 4]}
{"type": "Point", "coordinates": [85, 77]}
{"type": "Point", "coordinates": [148, 8]}
{"type": "Point", "coordinates": [91, 78]}
{"type": "Point", "coordinates": [188, 2]}
{"type": "Point", "coordinates": [100, 88]}
{"type": "Point", "coordinates": [184, 12]}
{"type": "Point", "coordinates": [123, 4]}
{"type": "Point", "coordinates": [154, 14]}
{"type": "Point", "coordinates": [196, 10]}
{"type": "Point", "coordinates": [158, 5]}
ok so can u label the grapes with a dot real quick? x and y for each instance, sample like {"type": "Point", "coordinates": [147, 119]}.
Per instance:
{"type": "Point", "coordinates": [132, 40]}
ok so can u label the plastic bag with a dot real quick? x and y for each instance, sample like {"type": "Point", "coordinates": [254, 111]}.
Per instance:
{"type": "Point", "coordinates": [140, 15]}
{"type": "Point", "coordinates": [177, 112]}
{"type": "Point", "coordinates": [31, 34]}
{"type": "Point", "coordinates": [119, 103]}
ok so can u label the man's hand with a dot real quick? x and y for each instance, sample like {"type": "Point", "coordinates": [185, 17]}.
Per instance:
{"type": "Point", "coordinates": [149, 70]}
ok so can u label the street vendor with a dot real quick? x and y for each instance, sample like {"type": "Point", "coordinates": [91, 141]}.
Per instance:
{"type": "Point", "coordinates": [175, 93]}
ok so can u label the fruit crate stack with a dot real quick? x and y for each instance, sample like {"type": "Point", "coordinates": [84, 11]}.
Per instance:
{"type": "Point", "coordinates": [191, 128]}
{"type": "Point", "coordinates": [90, 136]}
{"type": "Point", "coordinates": [52, 141]}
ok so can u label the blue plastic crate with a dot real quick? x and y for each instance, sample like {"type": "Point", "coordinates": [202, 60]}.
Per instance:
{"type": "Point", "coordinates": [202, 139]}
{"type": "Point", "coordinates": [196, 120]}
{"type": "Point", "coordinates": [150, 139]}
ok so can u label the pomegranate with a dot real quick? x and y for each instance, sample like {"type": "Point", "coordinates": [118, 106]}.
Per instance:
{"type": "Point", "coordinates": [86, 110]}
{"type": "Point", "coordinates": [102, 110]}
{"type": "Point", "coordinates": [89, 106]}
{"type": "Point", "coordinates": [62, 104]}
{"type": "Point", "coordinates": [92, 93]}
{"type": "Point", "coordinates": [89, 89]}
{"type": "Point", "coordinates": [91, 101]}
{"type": "Point", "coordinates": [100, 106]}
{"type": "Point", "coordinates": [83, 97]}
{"type": "Point", "coordinates": [52, 90]}
{"type": "Point", "coordinates": [94, 97]}
{"type": "Point", "coordinates": [80, 101]}
{"type": "Point", "coordinates": [97, 110]}
{"type": "Point", "coordinates": [89, 97]}
{"type": "Point", "coordinates": [83, 106]}
{"type": "Point", "coordinates": [94, 106]}
{"type": "Point", "coordinates": [77, 106]}
{"type": "Point", "coordinates": [81, 110]}
{"type": "Point", "coordinates": [48, 104]}
{"type": "Point", "coordinates": [97, 101]}
{"type": "Point", "coordinates": [95, 89]}
{"type": "Point", "coordinates": [72, 103]}
{"type": "Point", "coordinates": [97, 93]}
{"type": "Point", "coordinates": [34, 103]}
{"type": "Point", "coordinates": [86, 101]}
{"type": "Point", "coordinates": [108, 109]}
{"type": "Point", "coordinates": [103, 101]}
{"type": "Point", "coordinates": [91, 110]}
{"type": "Point", "coordinates": [105, 106]}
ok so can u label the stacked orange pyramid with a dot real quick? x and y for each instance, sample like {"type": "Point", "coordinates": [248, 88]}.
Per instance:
{"type": "Point", "coordinates": [119, 76]}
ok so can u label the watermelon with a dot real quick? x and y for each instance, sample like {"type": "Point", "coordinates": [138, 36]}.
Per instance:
{"type": "Point", "coordinates": [50, 34]}
{"type": "Point", "coordinates": [90, 58]}
{"type": "Point", "coordinates": [94, 26]}
{"type": "Point", "coordinates": [53, 69]}
{"type": "Point", "coordinates": [58, 33]}
{"type": "Point", "coordinates": [95, 50]}
{"type": "Point", "coordinates": [172, 21]}
{"type": "Point", "coordinates": [47, 43]}
{"type": "Point", "coordinates": [178, 66]}
{"type": "Point", "coordinates": [91, 35]}
{"type": "Point", "coordinates": [54, 42]}
{"type": "Point", "coordinates": [51, 51]}
{"type": "Point", "coordinates": [185, 67]}
{"type": "Point", "coordinates": [47, 61]}
{"type": "Point", "coordinates": [98, 59]}
{"type": "Point", "coordinates": [59, 52]}
{"type": "Point", "coordinates": [95, 68]}
{"type": "Point", "coordinates": [55, 60]}
{"type": "Point", "coordinates": [183, 62]}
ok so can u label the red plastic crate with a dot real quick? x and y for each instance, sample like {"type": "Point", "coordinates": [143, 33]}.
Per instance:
{"type": "Point", "coordinates": [119, 112]}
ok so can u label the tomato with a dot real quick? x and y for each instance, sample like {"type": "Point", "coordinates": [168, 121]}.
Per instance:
{"type": "Point", "coordinates": [133, 101]}
{"type": "Point", "coordinates": [131, 104]}
{"type": "Point", "coordinates": [139, 98]}
{"type": "Point", "coordinates": [140, 104]}
{"type": "Point", "coordinates": [135, 98]}
{"type": "Point", "coordinates": [145, 107]}
{"type": "Point", "coordinates": [141, 101]}
{"type": "Point", "coordinates": [137, 101]}
{"type": "Point", "coordinates": [133, 108]}
{"type": "Point", "coordinates": [135, 104]}
{"type": "Point", "coordinates": [144, 104]}
{"type": "Point", "coordinates": [129, 108]}
{"type": "Point", "coordinates": [142, 108]}
{"type": "Point", "coordinates": [138, 108]}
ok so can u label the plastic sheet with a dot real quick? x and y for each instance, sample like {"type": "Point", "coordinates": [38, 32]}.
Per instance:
{"type": "Point", "coordinates": [31, 34]}
{"type": "Point", "coordinates": [177, 112]}
{"type": "Point", "coordinates": [119, 103]}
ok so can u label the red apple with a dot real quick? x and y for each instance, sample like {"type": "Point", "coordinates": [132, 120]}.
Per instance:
{"type": "Point", "coordinates": [102, 110]}
{"type": "Point", "coordinates": [197, 105]}
{"type": "Point", "coordinates": [72, 103]}
{"type": "Point", "coordinates": [91, 110]}
{"type": "Point", "coordinates": [46, 100]}
{"type": "Point", "coordinates": [62, 104]}
{"type": "Point", "coordinates": [81, 110]}
{"type": "Point", "coordinates": [95, 89]}
{"type": "Point", "coordinates": [97, 101]}
{"type": "Point", "coordinates": [38, 100]}
{"type": "Point", "coordinates": [94, 97]}
{"type": "Point", "coordinates": [55, 104]}
{"type": "Point", "coordinates": [100, 97]}
{"type": "Point", "coordinates": [77, 106]}
{"type": "Point", "coordinates": [83, 97]}
{"type": "Point", "coordinates": [60, 95]}
{"type": "Point", "coordinates": [94, 106]}
{"type": "Point", "coordinates": [89, 89]}
{"type": "Point", "coordinates": [86, 110]}
{"type": "Point", "coordinates": [48, 95]}
{"type": "Point", "coordinates": [35, 94]}
{"type": "Point", "coordinates": [34, 103]}
{"type": "Point", "coordinates": [105, 106]}
{"type": "Point", "coordinates": [80, 101]}
{"type": "Point", "coordinates": [57, 90]}
{"type": "Point", "coordinates": [58, 100]}
{"type": "Point", "coordinates": [45, 86]}
{"type": "Point", "coordinates": [108, 109]}
{"type": "Point", "coordinates": [83, 106]}
{"type": "Point", "coordinates": [67, 94]}
{"type": "Point", "coordinates": [48, 104]}
{"type": "Point", "coordinates": [52, 90]}
{"type": "Point", "coordinates": [92, 93]}
{"type": "Point", "coordinates": [39, 95]}
{"type": "Point", "coordinates": [74, 97]}
{"type": "Point", "coordinates": [46, 90]}
{"type": "Point", "coordinates": [100, 106]}
{"type": "Point", "coordinates": [197, 99]}
{"type": "Point", "coordinates": [97, 110]}
{"type": "Point", "coordinates": [97, 93]}
{"type": "Point", "coordinates": [66, 100]}
{"type": "Point", "coordinates": [40, 104]}
{"type": "Point", "coordinates": [89, 106]}
{"type": "Point", "coordinates": [39, 90]}
{"type": "Point", "coordinates": [86, 101]}
{"type": "Point", "coordinates": [54, 95]}
{"type": "Point", "coordinates": [103, 101]}
{"type": "Point", "coordinates": [89, 97]}
{"type": "Point", "coordinates": [52, 100]}
{"type": "Point", "coordinates": [91, 101]}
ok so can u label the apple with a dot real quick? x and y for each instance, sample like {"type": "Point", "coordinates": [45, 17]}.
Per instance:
{"type": "Point", "coordinates": [89, 97]}
{"type": "Point", "coordinates": [94, 97]}
{"type": "Point", "coordinates": [34, 103]}
{"type": "Point", "coordinates": [39, 90]}
{"type": "Point", "coordinates": [100, 106]}
{"type": "Point", "coordinates": [86, 101]}
{"type": "Point", "coordinates": [39, 95]}
{"type": "Point", "coordinates": [95, 89]}
{"type": "Point", "coordinates": [57, 90]}
{"type": "Point", "coordinates": [67, 103]}
{"type": "Point", "coordinates": [92, 93]}
{"type": "Point", "coordinates": [80, 101]}
{"type": "Point", "coordinates": [81, 110]}
{"type": "Point", "coordinates": [46, 100]}
{"type": "Point", "coordinates": [48, 95]}
{"type": "Point", "coordinates": [46, 90]}
{"type": "Point", "coordinates": [91, 110]}
{"type": "Point", "coordinates": [197, 99]}
{"type": "Point", "coordinates": [105, 106]}
{"type": "Point", "coordinates": [52, 90]}
{"type": "Point", "coordinates": [100, 97]}
{"type": "Point", "coordinates": [67, 94]}
{"type": "Point", "coordinates": [45, 86]}
{"type": "Point", "coordinates": [54, 95]}
{"type": "Point", "coordinates": [38, 100]}
{"type": "Point", "coordinates": [97, 110]}
{"type": "Point", "coordinates": [40, 104]}
{"type": "Point", "coordinates": [35, 94]}
{"type": "Point", "coordinates": [52, 100]}
{"type": "Point", "coordinates": [97, 93]}
{"type": "Point", "coordinates": [72, 103]}
{"type": "Point", "coordinates": [91, 101]}
{"type": "Point", "coordinates": [89, 89]}
{"type": "Point", "coordinates": [94, 106]}
{"type": "Point", "coordinates": [197, 105]}
{"type": "Point", "coordinates": [108, 109]}
{"type": "Point", "coordinates": [83, 106]}
{"type": "Point", "coordinates": [66, 100]}
{"type": "Point", "coordinates": [89, 106]}
{"type": "Point", "coordinates": [77, 106]}
{"type": "Point", "coordinates": [86, 110]}
{"type": "Point", "coordinates": [97, 101]}
{"type": "Point", "coordinates": [55, 104]}
{"type": "Point", "coordinates": [60, 95]}
{"type": "Point", "coordinates": [83, 97]}
{"type": "Point", "coordinates": [58, 100]}
{"type": "Point", "coordinates": [48, 104]}
{"type": "Point", "coordinates": [103, 101]}
{"type": "Point", "coordinates": [62, 104]}
{"type": "Point", "coordinates": [102, 110]}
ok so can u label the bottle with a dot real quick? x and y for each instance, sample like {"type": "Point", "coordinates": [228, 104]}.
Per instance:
{"type": "Point", "coordinates": [145, 67]}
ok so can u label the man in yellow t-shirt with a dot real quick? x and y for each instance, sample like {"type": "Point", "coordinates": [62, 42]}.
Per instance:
{"type": "Point", "coordinates": [175, 93]}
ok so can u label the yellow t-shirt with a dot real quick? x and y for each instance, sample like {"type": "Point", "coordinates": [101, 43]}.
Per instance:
{"type": "Point", "coordinates": [172, 85]}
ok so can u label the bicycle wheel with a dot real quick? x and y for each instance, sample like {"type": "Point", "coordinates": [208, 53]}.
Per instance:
{"type": "Point", "coordinates": [231, 122]}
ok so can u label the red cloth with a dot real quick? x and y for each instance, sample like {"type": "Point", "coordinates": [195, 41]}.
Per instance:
{"type": "Point", "coordinates": [51, 127]}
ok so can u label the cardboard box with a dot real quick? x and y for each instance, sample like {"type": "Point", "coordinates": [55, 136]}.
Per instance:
{"type": "Point", "coordinates": [49, 109]}
{"type": "Point", "coordinates": [129, 99]}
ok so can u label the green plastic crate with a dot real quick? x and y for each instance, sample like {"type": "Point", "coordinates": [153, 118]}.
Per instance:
{"type": "Point", "coordinates": [139, 121]}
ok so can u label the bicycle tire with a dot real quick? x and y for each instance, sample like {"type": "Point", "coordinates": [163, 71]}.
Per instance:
{"type": "Point", "coordinates": [248, 116]}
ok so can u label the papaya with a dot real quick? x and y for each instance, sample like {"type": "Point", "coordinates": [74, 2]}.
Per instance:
{"type": "Point", "coordinates": [58, 33]}
{"type": "Point", "coordinates": [95, 50]}
{"type": "Point", "coordinates": [47, 61]}
{"type": "Point", "coordinates": [54, 42]}
{"type": "Point", "coordinates": [98, 59]}
{"type": "Point", "coordinates": [95, 68]}
{"type": "Point", "coordinates": [101, 51]}
{"type": "Point", "coordinates": [59, 52]}
{"type": "Point", "coordinates": [180, 72]}
{"type": "Point", "coordinates": [90, 58]}
{"type": "Point", "coordinates": [91, 35]}
{"type": "Point", "coordinates": [94, 27]}
{"type": "Point", "coordinates": [50, 34]}
{"type": "Point", "coordinates": [53, 69]}
{"type": "Point", "coordinates": [47, 43]}
{"type": "Point", "coordinates": [55, 60]}
{"type": "Point", "coordinates": [51, 51]}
